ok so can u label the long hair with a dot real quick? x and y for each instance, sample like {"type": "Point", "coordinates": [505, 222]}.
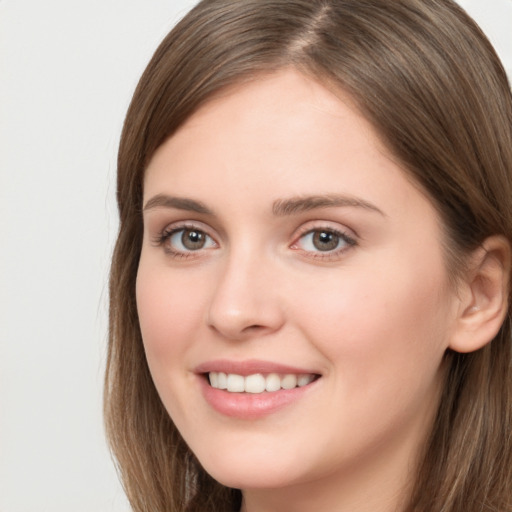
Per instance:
{"type": "Point", "coordinates": [426, 77]}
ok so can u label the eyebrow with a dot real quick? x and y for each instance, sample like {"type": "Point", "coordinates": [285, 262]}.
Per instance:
{"type": "Point", "coordinates": [280, 207]}
{"type": "Point", "coordinates": [180, 203]}
{"type": "Point", "coordinates": [296, 205]}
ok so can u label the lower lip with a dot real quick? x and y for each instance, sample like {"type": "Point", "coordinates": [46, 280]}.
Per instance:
{"type": "Point", "coordinates": [249, 406]}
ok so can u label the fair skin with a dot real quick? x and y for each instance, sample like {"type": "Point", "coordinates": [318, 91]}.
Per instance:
{"type": "Point", "coordinates": [348, 289]}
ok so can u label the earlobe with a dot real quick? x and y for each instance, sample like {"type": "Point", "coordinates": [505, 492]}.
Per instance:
{"type": "Point", "coordinates": [484, 303]}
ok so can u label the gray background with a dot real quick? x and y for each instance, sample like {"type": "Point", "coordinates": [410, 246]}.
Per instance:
{"type": "Point", "coordinates": [67, 72]}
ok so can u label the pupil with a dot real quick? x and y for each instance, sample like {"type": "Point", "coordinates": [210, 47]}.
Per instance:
{"type": "Point", "coordinates": [193, 240]}
{"type": "Point", "coordinates": [325, 240]}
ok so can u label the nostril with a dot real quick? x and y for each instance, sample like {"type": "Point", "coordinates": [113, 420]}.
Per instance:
{"type": "Point", "coordinates": [253, 328]}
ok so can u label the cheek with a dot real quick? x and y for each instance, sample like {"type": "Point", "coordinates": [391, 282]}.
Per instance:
{"type": "Point", "coordinates": [168, 312]}
{"type": "Point", "coordinates": [382, 326]}
{"type": "Point", "coordinates": [169, 309]}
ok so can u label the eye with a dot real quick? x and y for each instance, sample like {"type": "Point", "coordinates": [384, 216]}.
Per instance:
{"type": "Point", "coordinates": [184, 240]}
{"type": "Point", "coordinates": [324, 240]}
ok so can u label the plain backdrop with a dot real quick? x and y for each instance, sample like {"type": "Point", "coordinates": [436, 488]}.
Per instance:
{"type": "Point", "coordinates": [67, 72]}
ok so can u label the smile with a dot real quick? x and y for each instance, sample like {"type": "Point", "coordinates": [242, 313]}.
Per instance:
{"type": "Point", "coordinates": [253, 389]}
{"type": "Point", "coordinates": [258, 383]}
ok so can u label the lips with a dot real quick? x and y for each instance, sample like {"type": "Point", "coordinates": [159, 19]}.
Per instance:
{"type": "Point", "coordinates": [253, 389]}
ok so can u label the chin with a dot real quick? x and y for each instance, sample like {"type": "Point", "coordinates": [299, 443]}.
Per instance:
{"type": "Point", "coordinates": [251, 478]}
{"type": "Point", "coordinates": [241, 471]}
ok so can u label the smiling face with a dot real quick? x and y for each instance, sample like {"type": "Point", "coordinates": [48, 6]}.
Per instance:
{"type": "Point", "coordinates": [287, 254]}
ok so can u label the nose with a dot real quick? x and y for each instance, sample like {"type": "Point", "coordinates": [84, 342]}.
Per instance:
{"type": "Point", "coordinates": [246, 301]}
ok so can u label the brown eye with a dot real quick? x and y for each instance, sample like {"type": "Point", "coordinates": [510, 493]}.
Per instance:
{"type": "Point", "coordinates": [325, 240]}
{"type": "Point", "coordinates": [193, 239]}
{"type": "Point", "coordinates": [189, 239]}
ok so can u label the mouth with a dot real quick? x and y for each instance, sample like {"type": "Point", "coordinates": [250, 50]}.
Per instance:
{"type": "Point", "coordinates": [253, 389]}
{"type": "Point", "coordinates": [258, 383]}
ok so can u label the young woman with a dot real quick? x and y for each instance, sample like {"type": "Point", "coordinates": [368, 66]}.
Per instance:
{"type": "Point", "coordinates": [310, 291]}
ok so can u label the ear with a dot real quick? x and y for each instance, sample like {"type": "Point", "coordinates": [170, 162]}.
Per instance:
{"type": "Point", "coordinates": [484, 296]}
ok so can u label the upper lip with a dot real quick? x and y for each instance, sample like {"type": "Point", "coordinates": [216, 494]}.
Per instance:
{"type": "Point", "coordinates": [250, 367]}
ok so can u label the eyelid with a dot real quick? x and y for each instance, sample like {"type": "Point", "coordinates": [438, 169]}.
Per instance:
{"type": "Point", "coordinates": [163, 236]}
{"type": "Point", "coordinates": [346, 234]}
{"type": "Point", "coordinates": [316, 225]}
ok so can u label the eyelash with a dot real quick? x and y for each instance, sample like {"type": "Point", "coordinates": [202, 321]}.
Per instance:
{"type": "Point", "coordinates": [163, 239]}
{"type": "Point", "coordinates": [344, 238]}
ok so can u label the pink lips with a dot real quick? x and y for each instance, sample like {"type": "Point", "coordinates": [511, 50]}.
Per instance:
{"type": "Point", "coordinates": [248, 367]}
{"type": "Point", "coordinates": [247, 405]}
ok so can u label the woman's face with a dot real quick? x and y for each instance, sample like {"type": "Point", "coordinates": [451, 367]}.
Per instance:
{"type": "Point", "coordinates": [286, 254]}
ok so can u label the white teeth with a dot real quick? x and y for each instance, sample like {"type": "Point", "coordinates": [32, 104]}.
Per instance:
{"type": "Point", "coordinates": [255, 383]}
{"type": "Point", "coordinates": [304, 380]}
{"type": "Point", "coordinates": [273, 382]}
{"type": "Point", "coordinates": [214, 379]}
{"type": "Point", "coordinates": [222, 380]}
{"type": "Point", "coordinates": [289, 382]}
{"type": "Point", "coordinates": [258, 383]}
{"type": "Point", "coordinates": [236, 383]}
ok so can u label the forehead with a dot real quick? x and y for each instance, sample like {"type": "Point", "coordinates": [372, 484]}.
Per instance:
{"type": "Point", "coordinates": [279, 135]}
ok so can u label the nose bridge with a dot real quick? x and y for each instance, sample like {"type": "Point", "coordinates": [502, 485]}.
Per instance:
{"type": "Point", "coordinates": [245, 300]}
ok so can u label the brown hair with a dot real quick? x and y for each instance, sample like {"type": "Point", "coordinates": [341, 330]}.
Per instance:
{"type": "Point", "coordinates": [427, 78]}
